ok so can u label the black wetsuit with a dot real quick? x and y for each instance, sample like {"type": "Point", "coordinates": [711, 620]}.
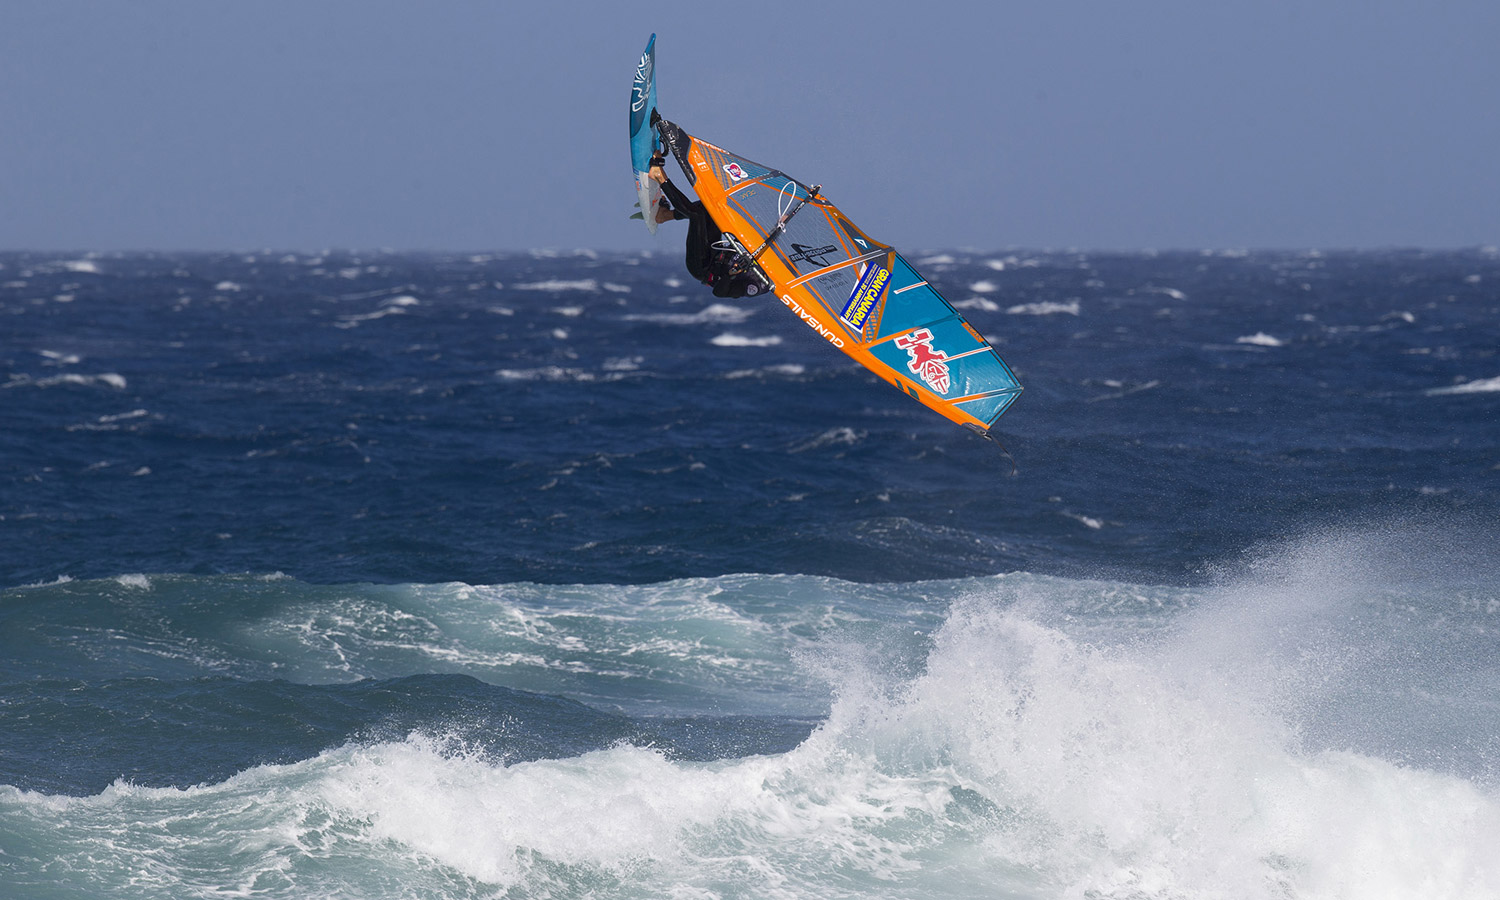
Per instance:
{"type": "Point", "coordinates": [713, 267]}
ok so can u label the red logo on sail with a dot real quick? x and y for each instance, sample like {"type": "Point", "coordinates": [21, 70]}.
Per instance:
{"type": "Point", "coordinates": [929, 364]}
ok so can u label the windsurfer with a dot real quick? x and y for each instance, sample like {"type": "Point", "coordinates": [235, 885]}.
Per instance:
{"type": "Point", "coordinates": [713, 265]}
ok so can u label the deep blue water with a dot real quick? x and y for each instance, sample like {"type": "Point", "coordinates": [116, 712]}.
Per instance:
{"type": "Point", "coordinates": [547, 574]}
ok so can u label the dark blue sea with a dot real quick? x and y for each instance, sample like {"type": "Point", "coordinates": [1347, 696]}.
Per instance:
{"type": "Point", "coordinates": [548, 575]}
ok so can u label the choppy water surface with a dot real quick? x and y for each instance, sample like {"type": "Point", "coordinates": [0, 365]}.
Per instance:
{"type": "Point", "coordinates": [549, 575]}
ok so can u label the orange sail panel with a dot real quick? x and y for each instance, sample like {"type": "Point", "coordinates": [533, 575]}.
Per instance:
{"type": "Point", "coordinates": [859, 294]}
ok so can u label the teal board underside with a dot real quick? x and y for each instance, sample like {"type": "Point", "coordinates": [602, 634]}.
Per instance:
{"type": "Point", "coordinates": [642, 104]}
{"type": "Point", "coordinates": [642, 134]}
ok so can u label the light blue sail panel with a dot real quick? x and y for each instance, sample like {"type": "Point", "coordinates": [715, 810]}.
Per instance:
{"type": "Point", "coordinates": [911, 301]}
{"type": "Point", "coordinates": [990, 407]}
{"type": "Point", "coordinates": [922, 337]}
{"type": "Point", "coordinates": [957, 366]}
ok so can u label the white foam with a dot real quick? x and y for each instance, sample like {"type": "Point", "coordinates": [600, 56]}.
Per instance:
{"type": "Point", "coordinates": [610, 810]}
{"type": "Point", "coordinates": [832, 437]}
{"type": "Point", "coordinates": [1045, 308]}
{"type": "Point", "coordinates": [981, 303]}
{"type": "Point", "coordinates": [1128, 772]}
{"type": "Point", "coordinates": [1124, 390]}
{"type": "Point", "coordinates": [82, 266]}
{"type": "Point", "coordinates": [557, 285]}
{"type": "Point", "coordinates": [108, 379]}
{"type": "Point", "coordinates": [1259, 339]}
{"type": "Point", "coordinates": [228, 286]}
{"type": "Point", "coordinates": [61, 579]}
{"type": "Point", "coordinates": [1480, 386]}
{"type": "Point", "coordinates": [545, 373]}
{"type": "Point", "coordinates": [983, 287]}
{"type": "Point", "coordinates": [735, 340]}
{"type": "Point", "coordinates": [354, 320]}
{"type": "Point", "coordinates": [1007, 758]}
{"type": "Point", "coordinates": [790, 370]}
{"type": "Point", "coordinates": [139, 582]}
{"type": "Point", "coordinates": [1011, 736]}
{"type": "Point", "coordinates": [395, 306]}
{"type": "Point", "coordinates": [616, 288]}
{"type": "Point", "coordinates": [941, 259]}
{"type": "Point", "coordinates": [1086, 521]}
{"type": "Point", "coordinates": [109, 422]}
{"type": "Point", "coordinates": [713, 314]}
{"type": "Point", "coordinates": [61, 359]}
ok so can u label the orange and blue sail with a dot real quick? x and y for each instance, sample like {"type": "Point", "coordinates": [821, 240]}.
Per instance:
{"type": "Point", "coordinates": [858, 293]}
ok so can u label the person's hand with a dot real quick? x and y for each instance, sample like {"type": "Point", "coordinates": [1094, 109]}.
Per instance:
{"type": "Point", "coordinates": [657, 175]}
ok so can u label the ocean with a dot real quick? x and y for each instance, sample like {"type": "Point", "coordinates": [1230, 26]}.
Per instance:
{"type": "Point", "coordinates": [549, 575]}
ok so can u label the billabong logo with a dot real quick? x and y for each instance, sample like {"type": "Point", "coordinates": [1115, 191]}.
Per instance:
{"type": "Point", "coordinates": [928, 364]}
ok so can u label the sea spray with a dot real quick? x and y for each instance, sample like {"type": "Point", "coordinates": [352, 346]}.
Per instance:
{"type": "Point", "coordinates": [1015, 758]}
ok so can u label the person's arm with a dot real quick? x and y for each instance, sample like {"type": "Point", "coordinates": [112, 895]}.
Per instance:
{"type": "Point", "coordinates": [678, 199]}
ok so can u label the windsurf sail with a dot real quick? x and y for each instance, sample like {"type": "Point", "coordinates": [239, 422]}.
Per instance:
{"type": "Point", "coordinates": [858, 293]}
{"type": "Point", "coordinates": [642, 136]}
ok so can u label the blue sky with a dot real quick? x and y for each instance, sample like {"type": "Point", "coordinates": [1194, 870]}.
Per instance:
{"type": "Point", "coordinates": [167, 124]}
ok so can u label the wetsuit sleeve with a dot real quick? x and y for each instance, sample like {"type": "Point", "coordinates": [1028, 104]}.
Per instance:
{"type": "Point", "coordinates": [678, 199]}
{"type": "Point", "coordinates": [701, 232]}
